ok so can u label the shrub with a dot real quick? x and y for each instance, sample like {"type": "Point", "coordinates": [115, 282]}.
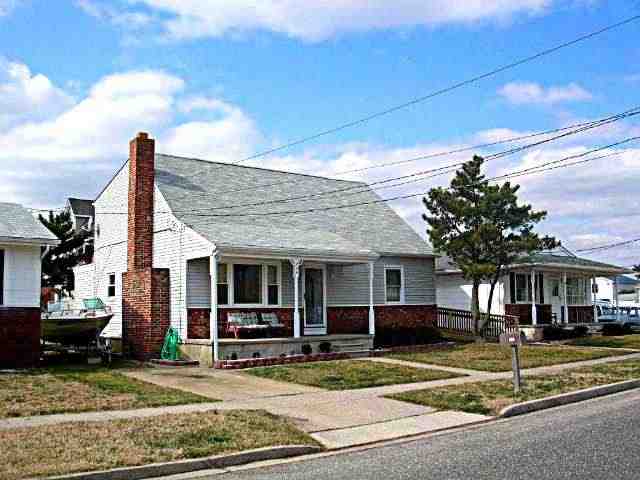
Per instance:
{"type": "Point", "coordinates": [616, 329]}
{"type": "Point", "coordinates": [581, 331]}
{"type": "Point", "coordinates": [234, 356]}
{"type": "Point", "coordinates": [306, 349]}
{"type": "Point", "coordinates": [325, 347]}
{"type": "Point", "coordinates": [256, 354]}
{"type": "Point", "coordinates": [396, 337]}
{"type": "Point", "coordinates": [553, 332]}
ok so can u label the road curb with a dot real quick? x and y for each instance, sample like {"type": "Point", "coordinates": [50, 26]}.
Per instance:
{"type": "Point", "coordinates": [566, 398]}
{"type": "Point", "coordinates": [186, 466]}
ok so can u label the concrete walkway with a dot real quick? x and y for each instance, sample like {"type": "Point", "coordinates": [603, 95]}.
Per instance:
{"type": "Point", "coordinates": [335, 418]}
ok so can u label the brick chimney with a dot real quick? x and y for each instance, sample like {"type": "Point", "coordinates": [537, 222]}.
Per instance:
{"type": "Point", "coordinates": [145, 290]}
{"type": "Point", "coordinates": [141, 185]}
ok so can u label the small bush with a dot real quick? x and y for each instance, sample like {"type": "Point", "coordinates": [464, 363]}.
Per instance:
{"type": "Point", "coordinates": [256, 354]}
{"type": "Point", "coordinates": [234, 356]}
{"type": "Point", "coordinates": [325, 347]}
{"type": "Point", "coordinates": [306, 349]}
{"type": "Point", "coordinates": [553, 332]}
{"type": "Point", "coordinates": [616, 329]}
{"type": "Point", "coordinates": [397, 337]}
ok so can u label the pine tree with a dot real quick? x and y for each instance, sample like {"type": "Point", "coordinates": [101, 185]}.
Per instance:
{"type": "Point", "coordinates": [482, 228]}
{"type": "Point", "coordinates": [58, 261]}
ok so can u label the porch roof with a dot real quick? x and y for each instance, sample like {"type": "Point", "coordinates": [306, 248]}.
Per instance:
{"type": "Point", "coordinates": [197, 190]}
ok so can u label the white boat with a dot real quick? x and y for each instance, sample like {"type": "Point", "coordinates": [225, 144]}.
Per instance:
{"type": "Point", "coordinates": [69, 326]}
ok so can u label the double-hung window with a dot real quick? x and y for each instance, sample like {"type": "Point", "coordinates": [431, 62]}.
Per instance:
{"type": "Point", "coordinates": [394, 284]}
{"type": "Point", "coordinates": [111, 285]}
{"type": "Point", "coordinates": [223, 284]}
{"type": "Point", "coordinates": [576, 291]}
{"type": "Point", "coordinates": [273, 285]}
{"type": "Point", "coordinates": [1, 277]}
{"type": "Point", "coordinates": [522, 288]}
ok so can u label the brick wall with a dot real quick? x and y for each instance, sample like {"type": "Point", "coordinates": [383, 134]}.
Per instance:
{"type": "Point", "coordinates": [145, 311]}
{"type": "Point", "coordinates": [523, 312]}
{"type": "Point", "coordinates": [356, 319]}
{"type": "Point", "coordinates": [19, 337]}
{"type": "Point", "coordinates": [581, 314]}
{"type": "Point", "coordinates": [198, 320]}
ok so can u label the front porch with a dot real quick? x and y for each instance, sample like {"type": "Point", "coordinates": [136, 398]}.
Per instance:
{"type": "Point", "coordinates": [546, 296]}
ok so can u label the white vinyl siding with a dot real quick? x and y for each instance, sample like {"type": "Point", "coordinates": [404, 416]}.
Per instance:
{"type": "Point", "coordinates": [21, 277]}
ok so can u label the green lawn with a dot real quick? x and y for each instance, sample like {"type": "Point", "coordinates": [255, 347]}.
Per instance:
{"type": "Point", "coordinates": [626, 341]}
{"type": "Point", "coordinates": [497, 358]}
{"type": "Point", "coordinates": [488, 398]}
{"type": "Point", "coordinates": [348, 374]}
{"type": "Point", "coordinates": [78, 447]}
{"type": "Point", "coordinates": [81, 389]}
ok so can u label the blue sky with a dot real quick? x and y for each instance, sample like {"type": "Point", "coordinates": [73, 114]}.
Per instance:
{"type": "Point", "coordinates": [222, 80]}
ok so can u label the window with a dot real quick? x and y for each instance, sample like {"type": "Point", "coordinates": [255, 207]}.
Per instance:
{"type": "Point", "coordinates": [522, 288]}
{"type": "Point", "coordinates": [576, 291]}
{"type": "Point", "coordinates": [1, 277]}
{"type": "Point", "coordinates": [223, 284]}
{"type": "Point", "coordinates": [247, 284]}
{"type": "Point", "coordinates": [111, 287]}
{"type": "Point", "coordinates": [273, 285]}
{"type": "Point", "coordinates": [394, 284]}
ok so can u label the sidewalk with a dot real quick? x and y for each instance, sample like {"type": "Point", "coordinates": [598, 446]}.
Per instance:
{"type": "Point", "coordinates": [337, 419]}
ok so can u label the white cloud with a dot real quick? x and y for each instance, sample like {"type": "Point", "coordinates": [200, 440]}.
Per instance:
{"type": "Point", "coordinates": [125, 19]}
{"type": "Point", "coordinates": [27, 96]}
{"type": "Point", "coordinates": [521, 93]}
{"type": "Point", "coordinates": [319, 20]}
{"type": "Point", "coordinates": [7, 6]}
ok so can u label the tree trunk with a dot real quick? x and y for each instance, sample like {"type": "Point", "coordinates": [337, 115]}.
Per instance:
{"type": "Point", "coordinates": [494, 282]}
{"type": "Point", "coordinates": [475, 307]}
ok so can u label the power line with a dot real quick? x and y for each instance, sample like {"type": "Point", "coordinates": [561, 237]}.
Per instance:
{"type": "Point", "coordinates": [442, 91]}
{"type": "Point", "coordinates": [362, 188]}
{"type": "Point", "coordinates": [608, 246]}
{"type": "Point", "coordinates": [401, 197]}
{"type": "Point", "coordinates": [420, 176]}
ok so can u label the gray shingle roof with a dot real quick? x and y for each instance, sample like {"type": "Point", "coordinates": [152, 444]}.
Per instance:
{"type": "Point", "coordinates": [81, 207]}
{"type": "Point", "coordinates": [444, 264]}
{"type": "Point", "coordinates": [196, 186]}
{"type": "Point", "coordinates": [17, 223]}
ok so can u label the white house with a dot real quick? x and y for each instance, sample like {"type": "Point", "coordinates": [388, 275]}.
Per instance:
{"type": "Point", "coordinates": [22, 238]}
{"type": "Point", "coordinates": [205, 238]}
{"type": "Point", "coordinates": [547, 287]}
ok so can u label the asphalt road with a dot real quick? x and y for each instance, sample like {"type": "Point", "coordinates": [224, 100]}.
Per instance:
{"type": "Point", "coordinates": [594, 440]}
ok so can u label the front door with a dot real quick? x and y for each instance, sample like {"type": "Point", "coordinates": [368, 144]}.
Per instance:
{"type": "Point", "coordinates": [314, 301]}
{"type": "Point", "coordinates": [555, 298]}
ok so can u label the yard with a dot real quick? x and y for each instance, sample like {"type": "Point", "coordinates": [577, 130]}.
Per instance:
{"type": "Point", "coordinates": [497, 358]}
{"type": "Point", "coordinates": [488, 398]}
{"type": "Point", "coordinates": [78, 447]}
{"type": "Point", "coordinates": [84, 388]}
{"type": "Point", "coordinates": [626, 341]}
{"type": "Point", "coordinates": [348, 374]}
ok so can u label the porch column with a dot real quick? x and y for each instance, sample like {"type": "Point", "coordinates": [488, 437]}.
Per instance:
{"type": "Point", "coordinates": [565, 305]}
{"type": "Point", "coordinates": [615, 295]}
{"type": "Point", "coordinates": [534, 310]}
{"type": "Point", "coordinates": [372, 315]}
{"type": "Point", "coordinates": [593, 299]}
{"type": "Point", "coordinates": [296, 262]}
{"type": "Point", "coordinates": [213, 316]}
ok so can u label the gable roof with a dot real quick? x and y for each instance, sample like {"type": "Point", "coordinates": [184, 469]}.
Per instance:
{"type": "Point", "coordinates": [81, 207]}
{"type": "Point", "coordinates": [195, 189]}
{"type": "Point", "coordinates": [18, 225]}
{"type": "Point", "coordinates": [554, 259]}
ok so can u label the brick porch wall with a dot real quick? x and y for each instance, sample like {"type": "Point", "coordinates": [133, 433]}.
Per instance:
{"type": "Point", "coordinates": [523, 312]}
{"type": "Point", "coordinates": [198, 320]}
{"type": "Point", "coordinates": [19, 337]}
{"type": "Point", "coordinates": [581, 314]}
{"type": "Point", "coordinates": [340, 320]}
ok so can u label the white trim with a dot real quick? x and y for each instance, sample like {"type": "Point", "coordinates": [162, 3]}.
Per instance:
{"type": "Point", "coordinates": [281, 254]}
{"type": "Point", "coordinates": [315, 330]}
{"type": "Point", "coordinates": [402, 284]}
{"type": "Point", "coordinates": [213, 316]}
{"type": "Point", "coordinates": [372, 313]}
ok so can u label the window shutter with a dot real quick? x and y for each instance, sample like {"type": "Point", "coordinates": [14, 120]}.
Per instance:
{"type": "Point", "coordinates": [512, 287]}
{"type": "Point", "coordinates": [540, 282]}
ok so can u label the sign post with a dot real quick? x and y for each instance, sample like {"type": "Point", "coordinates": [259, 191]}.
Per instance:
{"type": "Point", "coordinates": [512, 334]}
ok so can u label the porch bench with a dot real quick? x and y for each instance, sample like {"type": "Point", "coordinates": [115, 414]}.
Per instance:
{"type": "Point", "coordinates": [248, 322]}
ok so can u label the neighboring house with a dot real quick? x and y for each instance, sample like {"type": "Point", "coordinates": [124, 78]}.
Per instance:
{"type": "Point", "coordinates": [562, 283]}
{"type": "Point", "coordinates": [337, 272]}
{"type": "Point", "coordinates": [82, 214]}
{"type": "Point", "coordinates": [626, 288]}
{"type": "Point", "coordinates": [22, 238]}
